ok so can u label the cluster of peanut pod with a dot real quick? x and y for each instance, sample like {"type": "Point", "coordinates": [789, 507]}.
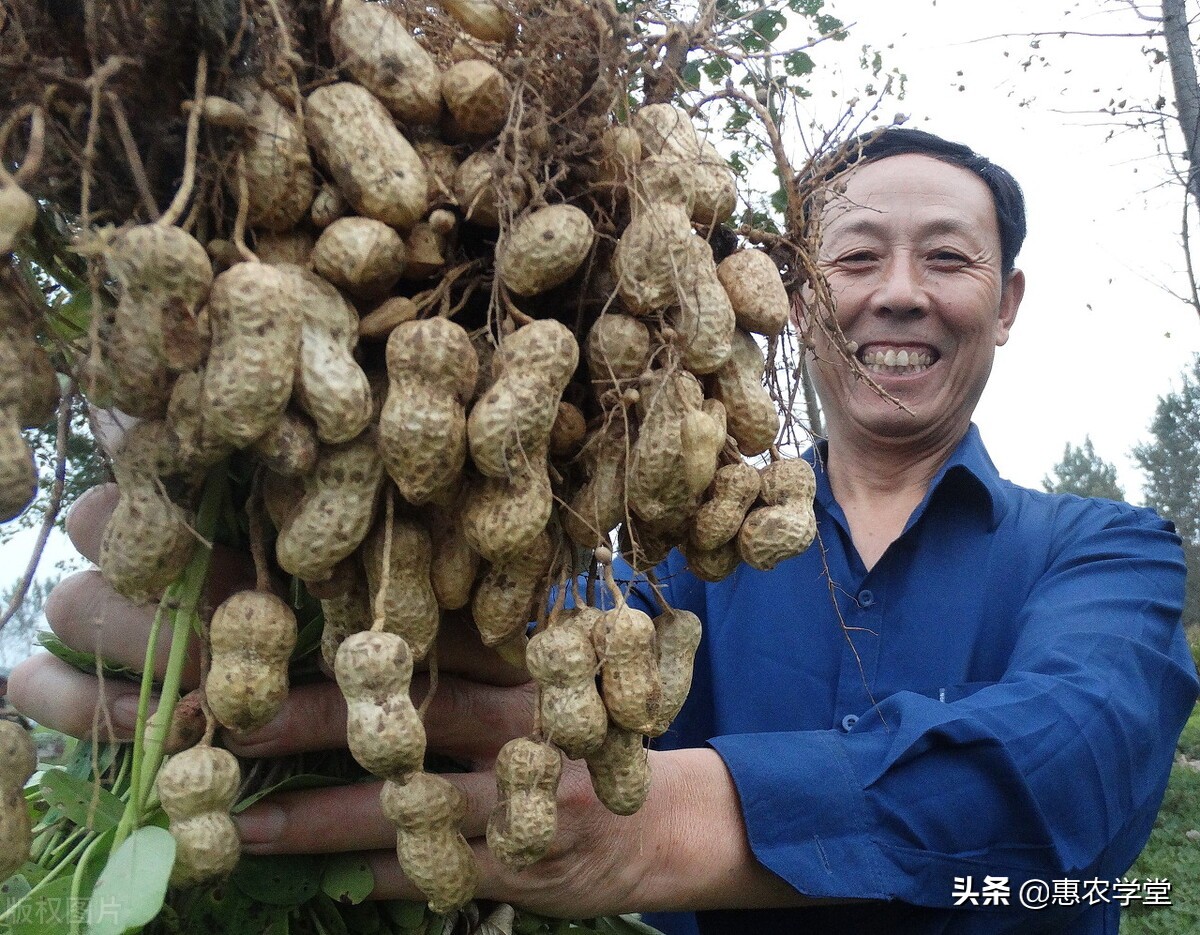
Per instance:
{"type": "Point", "coordinates": [419, 456]}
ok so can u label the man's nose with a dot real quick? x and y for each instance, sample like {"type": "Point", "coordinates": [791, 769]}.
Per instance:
{"type": "Point", "coordinates": [901, 289]}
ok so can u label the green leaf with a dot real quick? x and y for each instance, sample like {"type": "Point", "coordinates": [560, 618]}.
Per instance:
{"type": "Point", "coordinates": [690, 74]}
{"type": "Point", "coordinates": [347, 880]}
{"type": "Point", "coordinates": [779, 200]}
{"type": "Point", "coordinates": [768, 24]}
{"type": "Point", "coordinates": [12, 889]}
{"type": "Point", "coordinates": [132, 886]}
{"type": "Point", "coordinates": [48, 912]}
{"type": "Point", "coordinates": [83, 661]}
{"type": "Point", "coordinates": [281, 880]}
{"type": "Point", "coordinates": [225, 908]}
{"type": "Point", "coordinates": [405, 914]}
{"type": "Point", "coordinates": [327, 914]}
{"type": "Point", "coordinates": [797, 64]}
{"type": "Point", "coordinates": [82, 801]}
{"type": "Point", "coordinates": [303, 781]}
{"type": "Point", "coordinates": [717, 69]}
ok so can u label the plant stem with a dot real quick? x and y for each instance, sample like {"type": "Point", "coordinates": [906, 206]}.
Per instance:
{"type": "Point", "coordinates": [77, 881]}
{"type": "Point", "coordinates": [50, 877]}
{"type": "Point", "coordinates": [184, 597]}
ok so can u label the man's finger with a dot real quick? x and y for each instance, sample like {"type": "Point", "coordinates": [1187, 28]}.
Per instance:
{"type": "Point", "coordinates": [87, 614]}
{"type": "Point", "coordinates": [461, 651]}
{"type": "Point", "coordinates": [471, 721]}
{"type": "Point", "coordinates": [465, 720]}
{"type": "Point", "coordinates": [88, 517]}
{"type": "Point", "coordinates": [345, 818]}
{"type": "Point", "coordinates": [313, 717]}
{"type": "Point", "coordinates": [495, 882]}
{"type": "Point", "coordinates": [59, 696]}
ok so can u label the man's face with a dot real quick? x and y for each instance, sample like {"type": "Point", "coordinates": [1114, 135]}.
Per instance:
{"type": "Point", "coordinates": [912, 255]}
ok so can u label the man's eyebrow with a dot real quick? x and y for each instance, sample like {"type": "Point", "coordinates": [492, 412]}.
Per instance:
{"type": "Point", "coordinates": [874, 224]}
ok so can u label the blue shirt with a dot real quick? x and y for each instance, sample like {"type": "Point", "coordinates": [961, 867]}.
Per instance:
{"type": "Point", "coordinates": [1000, 696]}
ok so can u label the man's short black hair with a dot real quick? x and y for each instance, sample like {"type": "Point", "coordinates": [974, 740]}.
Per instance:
{"type": "Point", "coordinates": [1006, 193]}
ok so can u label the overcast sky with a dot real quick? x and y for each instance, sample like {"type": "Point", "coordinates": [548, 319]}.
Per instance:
{"type": "Point", "coordinates": [1098, 339]}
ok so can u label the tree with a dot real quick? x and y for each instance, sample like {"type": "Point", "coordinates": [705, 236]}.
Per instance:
{"type": "Point", "coordinates": [1171, 460]}
{"type": "Point", "coordinates": [18, 636]}
{"type": "Point", "coordinates": [1081, 471]}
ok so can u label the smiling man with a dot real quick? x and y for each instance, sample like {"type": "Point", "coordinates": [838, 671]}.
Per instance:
{"type": "Point", "coordinates": [963, 699]}
{"type": "Point", "coordinates": [965, 689]}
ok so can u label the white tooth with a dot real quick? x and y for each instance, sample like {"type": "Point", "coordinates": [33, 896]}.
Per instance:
{"type": "Point", "coordinates": [902, 359]}
{"type": "Point", "coordinates": [889, 359]}
{"type": "Point", "coordinates": [851, 347]}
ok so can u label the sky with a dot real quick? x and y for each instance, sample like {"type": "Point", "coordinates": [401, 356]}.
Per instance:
{"type": "Point", "coordinates": [1098, 338]}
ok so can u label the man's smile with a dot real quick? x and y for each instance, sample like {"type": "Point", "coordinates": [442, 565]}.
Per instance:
{"type": "Point", "coordinates": [899, 359]}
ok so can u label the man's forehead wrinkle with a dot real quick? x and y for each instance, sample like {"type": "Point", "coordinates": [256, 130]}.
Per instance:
{"type": "Point", "coordinates": [874, 221]}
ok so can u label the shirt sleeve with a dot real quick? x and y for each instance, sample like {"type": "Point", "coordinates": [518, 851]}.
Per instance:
{"type": "Point", "coordinates": [1055, 771]}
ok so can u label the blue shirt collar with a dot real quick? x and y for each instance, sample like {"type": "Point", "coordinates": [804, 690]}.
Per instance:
{"type": "Point", "coordinates": [969, 464]}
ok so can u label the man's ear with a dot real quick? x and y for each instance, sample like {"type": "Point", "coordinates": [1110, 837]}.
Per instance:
{"type": "Point", "coordinates": [1010, 301]}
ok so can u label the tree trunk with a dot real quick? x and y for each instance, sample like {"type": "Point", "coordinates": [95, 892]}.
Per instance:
{"type": "Point", "coordinates": [1187, 91]}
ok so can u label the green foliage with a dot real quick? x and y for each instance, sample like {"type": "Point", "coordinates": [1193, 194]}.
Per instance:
{"type": "Point", "coordinates": [1171, 462]}
{"type": "Point", "coordinates": [1081, 471]}
{"type": "Point", "coordinates": [763, 51]}
{"type": "Point", "coordinates": [1172, 855]}
{"type": "Point", "coordinates": [1189, 740]}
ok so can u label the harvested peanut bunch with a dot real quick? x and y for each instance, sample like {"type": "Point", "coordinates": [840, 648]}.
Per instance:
{"type": "Point", "coordinates": [509, 427]}
{"type": "Point", "coordinates": [629, 675]}
{"type": "Point", "coordinates": [562, 660]}
{"type": "Point", "coordinates": [678, 636]}
{"type": "Point", "coordinates": [147, 542]}
{"type": "Point", "coordinates": [18, 760]}
{"type": "Point", "coordinates": [335, 513]}
{"type": "Point", "coordinates": [522, 827]}
{"type": "Point", "coordinates": [256, 311]}
{"type": "Point", "coordinates": [362, 254]}
{"type": "Point", "coordinates": [252, 635]}
{"type": "Point", "coordinates": [383, 731]}
{"type": "Point", "coordinates": [785, 526]}
{"type": "Point", "coordinates": [428, 811]}
{"type": "Point", "coordinates": [408, 606]}
{"type": "Point", "coordinates": [506, 598]}
{"type": "Point", "coordinates": [423, 426]}
{"type": "Point", "coordinates": [620, 771]}
{"type": "Point", "coordinates": [197, 788]}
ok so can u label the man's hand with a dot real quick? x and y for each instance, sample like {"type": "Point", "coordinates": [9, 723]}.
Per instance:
{"type": "Point", "coordinates": [685, 849]}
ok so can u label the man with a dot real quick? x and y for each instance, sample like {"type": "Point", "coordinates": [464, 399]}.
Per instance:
{"type": "Point", "coordinates": [961, 687]}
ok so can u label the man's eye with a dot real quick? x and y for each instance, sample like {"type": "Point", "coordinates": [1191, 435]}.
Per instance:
{"type": "Point", "coordinates": [858, 257]}
{"type": "Point", "coordinates": [950, 258]}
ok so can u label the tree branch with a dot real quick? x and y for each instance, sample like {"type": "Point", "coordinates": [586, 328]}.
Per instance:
{"type": "Point", "coordinates": [1187, 93]}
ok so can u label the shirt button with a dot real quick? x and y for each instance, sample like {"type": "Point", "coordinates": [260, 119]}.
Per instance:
{"type": "Point", "coordinates": [865, 598]}
{"type": "Point", "coordinates": [849, 721]}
